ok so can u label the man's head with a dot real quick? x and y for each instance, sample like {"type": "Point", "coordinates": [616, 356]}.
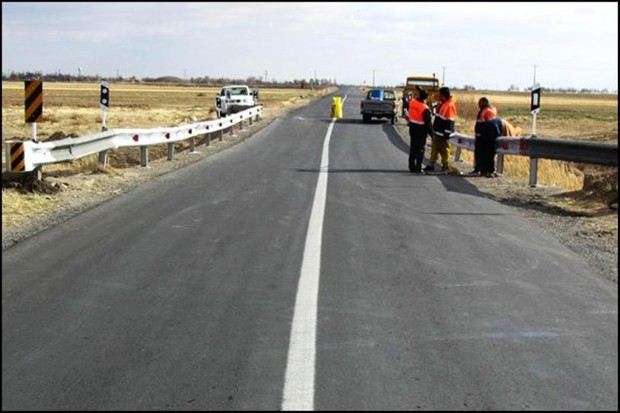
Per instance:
{"type": "Point", "coordinates": [483, 102]}
{"type": "Point", "coordinates": [422, 95]}
{"type": "Point", "coordinates": [444, 93]}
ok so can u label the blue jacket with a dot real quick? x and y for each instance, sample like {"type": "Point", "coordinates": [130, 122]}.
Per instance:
{"type": "Point", "coordinates": [489, 129]}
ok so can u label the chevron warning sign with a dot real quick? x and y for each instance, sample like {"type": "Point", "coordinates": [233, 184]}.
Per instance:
{"type": "Point", "coordinates": [17, 157]}
{"type": "Point", "coordinates": [34, 100]}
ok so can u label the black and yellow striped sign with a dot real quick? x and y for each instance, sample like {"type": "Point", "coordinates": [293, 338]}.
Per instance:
{"type": "Point", "coordinates": [16, 151]}
{"type": "Point", "coordinates": [34, 100]}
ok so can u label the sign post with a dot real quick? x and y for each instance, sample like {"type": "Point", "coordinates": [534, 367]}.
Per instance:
{"type": "Point", "coordinates": [104, 100]}
{"type": "Point", "coordinates": [534, 108]}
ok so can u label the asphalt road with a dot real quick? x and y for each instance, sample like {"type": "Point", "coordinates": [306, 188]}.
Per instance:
{"type": "Point", "coordinates": [182, 294]}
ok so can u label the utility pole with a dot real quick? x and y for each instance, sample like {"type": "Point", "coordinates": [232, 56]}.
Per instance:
{"type": "Point", "coordinates": [443, 77]}
{"type": "Point", "coordinates": [534, 75]}
{"type": "Point", "coordinates": [373, 77]}
{"type": "Point", "coordinates": [266, 76]}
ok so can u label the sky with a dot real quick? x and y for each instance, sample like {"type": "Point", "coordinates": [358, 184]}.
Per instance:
{"type": "Point", "coordinates": [485, 45]}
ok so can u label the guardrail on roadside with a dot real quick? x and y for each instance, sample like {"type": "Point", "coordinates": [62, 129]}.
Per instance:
{"type": "Point", "coordinates": [28, 155]}
{"type": "Point", "coordinates": [534, 147]}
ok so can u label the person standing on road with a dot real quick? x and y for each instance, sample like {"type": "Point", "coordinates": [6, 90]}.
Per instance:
{"type": "Point", "coordinates": [486, 113]}
{"type": "Point", "coordinates": [420, 125]}
{"type": "Point", "coordinates": [443, 128]}
{"type": "Point", "coordinates": [487, 133]}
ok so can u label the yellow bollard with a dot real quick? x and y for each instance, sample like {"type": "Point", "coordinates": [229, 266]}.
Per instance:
{"type": "Point", "coordinates": [336, 107]}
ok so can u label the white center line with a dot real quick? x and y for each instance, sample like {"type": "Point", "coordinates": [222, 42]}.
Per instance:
{"type": "Point", "coordinates": [300, 366]}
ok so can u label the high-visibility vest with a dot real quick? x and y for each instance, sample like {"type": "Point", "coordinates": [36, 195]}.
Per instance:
{"type": "Point", "coordinates": [486, 113]}
{"type": "Point", "coordinates": [416, 111]}
{"type": "Point", "coordinates": [447, 110]}
{"type": "Point", "coordinates": [445, 119]}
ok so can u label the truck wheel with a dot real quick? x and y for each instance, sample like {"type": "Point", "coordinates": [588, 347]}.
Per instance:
{"type": "Point", "coordinates": [366, 118]}
{"type": "Point", "coordinates": [394, 119]}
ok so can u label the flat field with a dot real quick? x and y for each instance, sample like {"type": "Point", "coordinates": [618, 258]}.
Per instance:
{"type": "Point", "coordinates": [73, 109]}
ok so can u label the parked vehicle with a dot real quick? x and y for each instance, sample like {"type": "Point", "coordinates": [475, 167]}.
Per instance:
{"type": "Point", "coordinates": [235, 98]}
{"type": "Point", "coordinates": [414, 83]}
{"type": "Point", "coordinates": [380, 103]}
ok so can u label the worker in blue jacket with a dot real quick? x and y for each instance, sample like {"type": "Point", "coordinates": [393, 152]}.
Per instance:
{"type": "Point", "coordinates": [487, 133]}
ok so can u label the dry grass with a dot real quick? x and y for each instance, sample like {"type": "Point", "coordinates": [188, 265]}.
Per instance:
{"type": "Point", "coordinates": [17, 207]}
{"type": "Point", "coordinates": [72, 109]}
{"type": "Point", "coordinates": [575, 117]}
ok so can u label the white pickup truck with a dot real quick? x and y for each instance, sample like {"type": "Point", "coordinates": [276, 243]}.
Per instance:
{"type": "Point", "coordinates": [235, 98]}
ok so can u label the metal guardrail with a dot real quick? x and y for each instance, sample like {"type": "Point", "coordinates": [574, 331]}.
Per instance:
{"type": "Point", "coordinates": [28, 156]}
{"type": "Point", "coordinates": [562, 150]}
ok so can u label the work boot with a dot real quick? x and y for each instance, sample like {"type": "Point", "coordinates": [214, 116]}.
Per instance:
{"type": "Point", "coordinates": [445, 168]}
{"type": "Point", "coordinates": [429, 168]}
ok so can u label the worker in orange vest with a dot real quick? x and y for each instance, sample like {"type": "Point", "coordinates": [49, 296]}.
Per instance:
{"type": "Point", "coordinates": [443, 128]}
{"type": "Point", "coordinates": [486, 113]}
{"type": "Point", "coordinates": [419, 120]}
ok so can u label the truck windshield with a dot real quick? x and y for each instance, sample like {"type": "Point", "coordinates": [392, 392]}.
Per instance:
{"type": "Point", "coordinates": [234, 91]}
{"type": "Point", "coordinates": [423, 82]}
{"type": "Point", "coordinates": [375, 95]}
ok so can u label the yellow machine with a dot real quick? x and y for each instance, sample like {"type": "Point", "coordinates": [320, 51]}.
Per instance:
{"type": "Point", "coordinates": [428, 83]}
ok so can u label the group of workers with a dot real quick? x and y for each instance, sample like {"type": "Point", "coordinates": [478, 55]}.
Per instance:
{"type": "Point", "coordinates": [441, 127]}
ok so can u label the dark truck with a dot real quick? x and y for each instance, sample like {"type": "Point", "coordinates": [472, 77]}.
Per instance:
{"type": "Point", "coordinates": [380, 103]}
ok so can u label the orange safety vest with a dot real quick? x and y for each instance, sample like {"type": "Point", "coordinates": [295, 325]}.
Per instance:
{"type": "Point", "coordinates": [447, 110]}
{"type": "Point", "coordinates": [416, 111]}
{"type": "Point", "coordinates": [487, 113]}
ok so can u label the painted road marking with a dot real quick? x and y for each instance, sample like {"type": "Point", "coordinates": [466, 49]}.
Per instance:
{"type": "Point", "coordinates": [300, 366]}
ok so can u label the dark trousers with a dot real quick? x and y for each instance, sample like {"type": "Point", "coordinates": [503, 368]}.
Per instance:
{"type": "Point", "coordinates": [485, 144]}
{"type": "Point", "coordinates": [477, 150]}
{"type": "Point", "coordinates": [417, 137]}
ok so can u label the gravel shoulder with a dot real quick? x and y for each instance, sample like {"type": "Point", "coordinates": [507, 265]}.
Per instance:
{"type": "Point", "coordinates": [588, 227]}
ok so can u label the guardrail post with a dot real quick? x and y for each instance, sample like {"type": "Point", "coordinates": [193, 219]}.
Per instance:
{"type": "Point", "coordinates": [500, 163]}
{"type": "Point", "coordinates": [207, 139]}
{"type": "Point", "coordinates": [533, 171]}
{"type": "Point", "coordinates": [250, 120]}
{"type": "Point", "coordinates": [144, 156]}
{"type": "Point", "coordinates": [457, 154]}
{"type": "Point", "coordinates": [221, 134]}
{"type": "Point", "coordinates": [241, 125]}
{"type": "Point", "coordinates": [533, 168]}
{"type": "Point", "coordinates": [192, 144]}
{"type": "Point", "coordinates": [38, 173]}
{"type": "Point", "coordinates": [232, 132]}
{"type": "Point", "coordinates": [103, 158]}
{"type": "Point", "coordinates": [170, 151]}
{"type": "Point", "coordinates": [7, 153]}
